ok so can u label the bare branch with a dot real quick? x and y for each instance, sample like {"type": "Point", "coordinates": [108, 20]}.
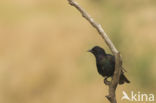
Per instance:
{"type": "Point", "coordinates": [118, 62]}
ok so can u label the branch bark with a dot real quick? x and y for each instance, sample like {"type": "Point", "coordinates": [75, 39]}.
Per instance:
{"type": "Point", "coordinates": [118, 62]}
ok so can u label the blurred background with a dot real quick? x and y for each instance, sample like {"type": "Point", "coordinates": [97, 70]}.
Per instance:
{"type": "Point", "coordinates": [43, 46]}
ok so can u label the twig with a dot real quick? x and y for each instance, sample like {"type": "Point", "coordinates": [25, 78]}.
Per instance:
{"type": "Point", "coordinates": [118, 62]}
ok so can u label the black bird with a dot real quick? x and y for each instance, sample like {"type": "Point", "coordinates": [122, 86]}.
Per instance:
{"type": "Point", "coordinates": [106, 64]}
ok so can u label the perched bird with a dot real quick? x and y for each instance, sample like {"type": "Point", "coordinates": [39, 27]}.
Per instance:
{"type": "Point", "coordinates": [106, 64]}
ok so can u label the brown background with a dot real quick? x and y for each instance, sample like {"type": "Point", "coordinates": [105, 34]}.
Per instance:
{"type": "Point", "coordinates": [43, 46]}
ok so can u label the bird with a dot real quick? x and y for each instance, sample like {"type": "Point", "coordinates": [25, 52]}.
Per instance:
{"type": "Point", "coordinates": [106, 64]}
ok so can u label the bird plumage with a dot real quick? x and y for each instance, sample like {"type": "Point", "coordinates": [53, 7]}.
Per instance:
{"type": "Point", "coordinates": [106, 64]}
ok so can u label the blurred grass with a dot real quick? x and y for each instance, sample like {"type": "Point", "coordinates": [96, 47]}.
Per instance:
{"type": "Point", "coordinates": [43, 46]}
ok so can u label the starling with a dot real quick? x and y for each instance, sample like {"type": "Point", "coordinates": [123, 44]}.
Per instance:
{"type": "Point", "coordinates": [106, 64]}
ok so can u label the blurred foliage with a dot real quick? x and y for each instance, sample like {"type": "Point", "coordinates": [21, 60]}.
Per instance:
{"type": "Point", "coordinates": [113, 17]}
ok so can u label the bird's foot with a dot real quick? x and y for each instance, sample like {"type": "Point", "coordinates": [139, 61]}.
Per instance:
{"type": "Point", "coordinates": [106, 81]}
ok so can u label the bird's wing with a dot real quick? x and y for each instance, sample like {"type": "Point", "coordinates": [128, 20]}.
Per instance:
{"type": "Point", "coordinates": [111, 58]}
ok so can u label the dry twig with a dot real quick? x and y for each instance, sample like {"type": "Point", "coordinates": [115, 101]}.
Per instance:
{"type": "Point", "coordinates": [118, 62]}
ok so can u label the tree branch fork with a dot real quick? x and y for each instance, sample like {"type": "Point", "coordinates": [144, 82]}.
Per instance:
{"type": "Point", "coordinates": [118, 61]}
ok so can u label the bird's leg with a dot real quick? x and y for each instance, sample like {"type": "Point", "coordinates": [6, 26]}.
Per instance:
{"type": "Point", "coordinates": [106, 81]}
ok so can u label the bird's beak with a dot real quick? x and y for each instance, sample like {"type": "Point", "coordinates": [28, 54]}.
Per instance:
{"type": "Point", "coordinates": [89, 51]}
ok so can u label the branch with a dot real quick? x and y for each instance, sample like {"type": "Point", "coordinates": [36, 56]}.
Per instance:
{"type": "Point", "coordinates": [118, 62]}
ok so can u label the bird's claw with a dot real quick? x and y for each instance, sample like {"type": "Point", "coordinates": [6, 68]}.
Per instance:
{"type": "Point", "coordinates": [106, 81]}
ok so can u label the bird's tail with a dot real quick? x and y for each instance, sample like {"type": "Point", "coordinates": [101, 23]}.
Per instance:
{"type": "Point", "coordinates": [123, 79]}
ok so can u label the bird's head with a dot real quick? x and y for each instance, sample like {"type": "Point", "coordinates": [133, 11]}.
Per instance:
{"type": "Point", "coordinates": [96, 50]}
